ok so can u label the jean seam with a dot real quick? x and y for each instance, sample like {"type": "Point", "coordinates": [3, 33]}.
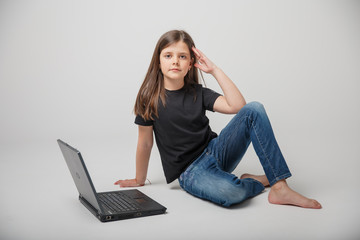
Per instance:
{"type": "Point", "coordinates": [262, 148]}
{"type": "Point", "coordinates": [229, 136]}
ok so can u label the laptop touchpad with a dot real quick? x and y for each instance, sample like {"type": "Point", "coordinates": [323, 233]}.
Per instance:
{"type": "Point", "coordinates": [140, 200]}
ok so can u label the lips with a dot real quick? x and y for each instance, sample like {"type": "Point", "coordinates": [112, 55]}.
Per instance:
{"type": "Point", "coordinates": [175, 70]}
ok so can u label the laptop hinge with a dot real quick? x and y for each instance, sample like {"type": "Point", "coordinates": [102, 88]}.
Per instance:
{"type": "Point", "coordinates": [93, 210]}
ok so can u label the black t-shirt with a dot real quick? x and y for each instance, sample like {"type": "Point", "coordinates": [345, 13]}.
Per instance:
{"type": "Point", "coordinates": [182, 130]}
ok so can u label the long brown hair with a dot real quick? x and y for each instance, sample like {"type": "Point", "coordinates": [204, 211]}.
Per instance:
{"type": "Point", "coordinates": [152, 88]}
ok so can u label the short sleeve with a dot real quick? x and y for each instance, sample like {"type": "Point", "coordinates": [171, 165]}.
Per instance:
{"type": "Point", "coordinates": [209, 98]}
{"type": "Point", "coordinates": [141, 121]}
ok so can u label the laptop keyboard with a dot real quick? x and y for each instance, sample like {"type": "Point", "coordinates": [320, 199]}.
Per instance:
{"type": "Point", "coordinates": [117, 202]}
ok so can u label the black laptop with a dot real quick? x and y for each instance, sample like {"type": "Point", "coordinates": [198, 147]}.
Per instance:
{"type": "Point", "coordinates": [107, 206]}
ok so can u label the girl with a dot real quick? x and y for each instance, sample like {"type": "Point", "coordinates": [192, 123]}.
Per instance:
{"type": "Point", "coordinates": [171, 103]}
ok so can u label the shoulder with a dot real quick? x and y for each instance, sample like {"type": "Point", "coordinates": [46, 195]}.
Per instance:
{"type": "Point", "coordinates": [205, 92]}
{"type": "Point", "coordinates": [194, 86]}
{"type": "Point", "coordinates": [209, 92]}
{"type": "Point", "coordinates": [202, 88]}
{"type": "Point", "coordinates": [199, 88]}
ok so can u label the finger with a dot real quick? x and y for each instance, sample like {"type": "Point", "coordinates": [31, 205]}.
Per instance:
{"type": "Point", "coordinates": [202, 62]}
{"type": "Point", "coordinates": [201, 67]}
{"type": "Point", "coordinates": [124, 183]}
{"type": "Point", "coordinates": [130, 184]}
{"type": "Point", "coordinates": [117, 182]}
{"type": "Point", "coordinates": [196, 52]}
{"type": "Point", "coordinates": [200, 52]}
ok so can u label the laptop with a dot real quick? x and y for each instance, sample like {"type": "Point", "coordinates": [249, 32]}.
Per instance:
{"type": "Point", "coordinates": [107, 206]}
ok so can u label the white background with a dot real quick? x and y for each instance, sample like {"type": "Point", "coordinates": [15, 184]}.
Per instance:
{"type": "Point", "coordinates": [72, 69]}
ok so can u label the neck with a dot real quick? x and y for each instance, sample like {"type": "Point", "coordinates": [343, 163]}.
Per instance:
{"type": "Point", "coordinates": [173, 84]}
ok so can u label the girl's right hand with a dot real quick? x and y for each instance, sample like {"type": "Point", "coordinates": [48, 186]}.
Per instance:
{"type": "Point", "coordinates": [128, 183]}
{"type": "Point", "coordinates": [202, 62]}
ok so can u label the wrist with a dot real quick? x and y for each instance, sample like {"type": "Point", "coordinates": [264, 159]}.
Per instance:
{"type": "Point", "coordinates": [140, 182]}
{"type": "Point", "coordinates": [216, 71]}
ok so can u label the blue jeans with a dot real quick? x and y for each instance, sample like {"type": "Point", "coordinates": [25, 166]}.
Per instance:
{"type": "Point", "coordinates": [209, 176]}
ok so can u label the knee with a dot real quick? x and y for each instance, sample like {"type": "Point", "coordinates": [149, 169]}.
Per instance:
{"type": "Point", "coordinates": [254, 107]}
{"type": "Point", "coordinates": [230, 198]}
{"type": "Point", "coordinates": [239, 191]}
{"type": "Point", "coordinates": [232, 192]}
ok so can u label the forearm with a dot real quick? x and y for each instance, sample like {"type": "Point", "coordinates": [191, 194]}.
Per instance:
{"type": "Point", "coordinates": [142, 163]}
{"type": "Point", "coordinates": [232, 94]}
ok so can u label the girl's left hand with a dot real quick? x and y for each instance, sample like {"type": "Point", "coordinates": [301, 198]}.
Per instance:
{"type": "Point", "coordinates": [202, 62]}
{"type": "Point", "coordinates": [129, 183]}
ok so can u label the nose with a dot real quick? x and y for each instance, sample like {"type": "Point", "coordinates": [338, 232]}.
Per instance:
{"type": "Point", "coordinates": [175, 61]}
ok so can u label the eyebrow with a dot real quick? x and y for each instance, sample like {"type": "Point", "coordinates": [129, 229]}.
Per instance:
{"type": "Point", "coordinates": [184, 53]}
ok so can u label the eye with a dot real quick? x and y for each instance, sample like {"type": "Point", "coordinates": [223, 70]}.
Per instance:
{"type": "Point", "coordinates": [183, 56]}
{"type": "Point", "coordinates": [167, 56]}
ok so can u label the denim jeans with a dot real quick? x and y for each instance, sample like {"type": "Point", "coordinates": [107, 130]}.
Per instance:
{"type": "Point", "coordinates": [209, 176]}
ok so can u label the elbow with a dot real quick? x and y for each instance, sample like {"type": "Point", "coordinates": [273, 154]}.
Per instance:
{"type": "Point", "coordinates": [146, 145]}
{"type": "Point", "coordinates": [237, 108]}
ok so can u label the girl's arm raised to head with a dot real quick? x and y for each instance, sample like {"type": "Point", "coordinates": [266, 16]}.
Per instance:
{"type": "Point", "coordinates": [233, 100]}
{"type": "Point", "coordinates": [143, 151]}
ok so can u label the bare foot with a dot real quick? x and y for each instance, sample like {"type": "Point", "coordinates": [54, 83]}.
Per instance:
{"type": "Point", "coordinates": [261, 178]}
{"type": "Point", "coordinates": [281, 193]}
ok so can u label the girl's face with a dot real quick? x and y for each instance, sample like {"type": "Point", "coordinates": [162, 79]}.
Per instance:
{"type": "Point", "coordinates": [175, 62]}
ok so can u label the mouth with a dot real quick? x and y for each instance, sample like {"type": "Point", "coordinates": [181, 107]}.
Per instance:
{"type": "Point", "coordinates": [175, 70]}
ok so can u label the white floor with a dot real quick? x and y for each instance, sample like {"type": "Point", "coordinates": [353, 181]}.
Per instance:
{"type": "Point", "coordinates": [39, 200]}
{"type": "Point", "coordinates": [73, 68]}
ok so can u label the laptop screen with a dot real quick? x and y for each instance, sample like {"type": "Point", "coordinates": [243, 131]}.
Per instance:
{"type": "Point", "coordinates": [79, 173]}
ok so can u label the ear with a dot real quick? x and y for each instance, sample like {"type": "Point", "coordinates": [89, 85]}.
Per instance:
{"type": "Point", "coordinates": [191, 63]}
